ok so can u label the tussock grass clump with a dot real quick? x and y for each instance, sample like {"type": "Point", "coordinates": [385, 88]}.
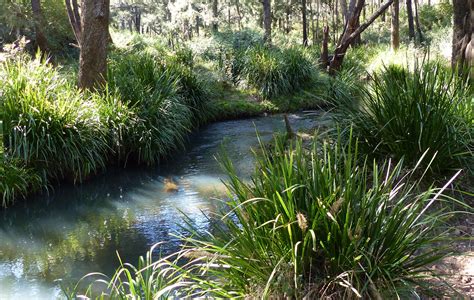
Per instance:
{"type": "Point", "coordinates": [16, 180]}
{"type": "Point", "coordinates": [318, 223]}
{"type": "Point", "coordinates": [47, 122]}
{"type": "Point", "coordinates": [150, 279]}
{"type": "Point", "coordinates": [405, 114]}
{"type": "Point", "coordinates": [273, 72]}
{"type": "Point", "coordinates": [166, 97]}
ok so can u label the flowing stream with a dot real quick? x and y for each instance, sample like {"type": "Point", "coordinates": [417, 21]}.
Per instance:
{"type": "Point", "coordinates": [76, 230]}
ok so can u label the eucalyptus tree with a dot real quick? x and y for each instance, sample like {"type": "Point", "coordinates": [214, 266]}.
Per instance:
{"type": "Point", "coordinates": [39, 23]}
{"type": "Point", "coordinates": [463, 35]}
{"type": "Point", "coordinates": [395, 22]}
{"type": "Point", "coordinates": [91, 28]}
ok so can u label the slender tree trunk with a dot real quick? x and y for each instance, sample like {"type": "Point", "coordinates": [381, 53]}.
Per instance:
{"type": "Point", "coordinates": [74, 19]}
{"type": "Point", "coordinates": [93, 43]}
{"type": "Point", "coordinates": [197, 25]}
{"type": "Point", "coordinates": [215, 16]}
{"type": "Point", "coordinates": [305, 23]}
{"type": "Point", "coordinates": [417, 22]}
{"type": "Point", "coordinates": [41, 41]}
{"type": "Point", "coordinates": [137, 19]}
{"type": "Point", "coordinates": [324, 58]}
{"type": "Point", "coordinates": [383, 14]}
{"type": "Point", "coordinates": [411, 26]}
{"type": "Point", "coordinates": [344, 11]}
{"type": "Point", "coordinates": [311, 16]}
{"type": "Point", "coordinates": [239, 15]}
{"type": "Point", "coordinates": [395, 29]}
{"type": "Point", "coordinates": [267, 21]}
{"type": "Point", "coordinates": [287, 15]}
{"type": "Point", "coordinates": [318, 15]}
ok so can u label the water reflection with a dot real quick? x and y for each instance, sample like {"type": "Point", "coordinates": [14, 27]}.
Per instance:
{"type": "Point", "coordinates": [77, 230]}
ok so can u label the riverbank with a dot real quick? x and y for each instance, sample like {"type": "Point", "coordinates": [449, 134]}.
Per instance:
{"type": "Point", "coordinates": [154, 99]}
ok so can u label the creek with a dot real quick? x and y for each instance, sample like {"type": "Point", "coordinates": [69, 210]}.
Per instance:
{"type": "Point", "coordinates": [70, 231]}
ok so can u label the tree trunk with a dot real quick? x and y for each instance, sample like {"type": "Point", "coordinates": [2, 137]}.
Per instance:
{"type": "Point", "coordinates": [267, 21]}
{"type": "Point", "coordinates": [74, 19]}
{"type": "Point", "coordinates": [324, 58]}
{"type": "Point", "coordinates": [463, 23]}
{"type": "Point", "coordinates": [287, 15]}
{"type": "Point", "coordinates": [383, 14]}
{"type": "Point", "coordinates": [395, 29]}
{"type": "Point", "coordinates": [317, 18]}
{"type": "Point", "coordinates": [305, 24]}
{"type": "Point", "coordinates": [93, 43]}
{"type": "Point", "coordinates": [352, 31]}
{"type": "Point", "coordinates": [215, 16]}
{"type": "Point", "coordinates": [41, 41]}
{"type": "Point", "coordinates": [344, 11]}
{"type": "Point", "coordinates": [239, 15]}
{"type": "Point", "coordinates": [311, 16]}
{"type": "Point", "coordinates": [197, 25]}
{"type": "Point", "coordinates": [417, 22]}
{"type": "Point", "coordinates": [411, 26]}
{"type": "Point", "coordinates": [137, 18]}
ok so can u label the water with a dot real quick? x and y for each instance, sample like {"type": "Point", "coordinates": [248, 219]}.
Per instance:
{"type": "Point", "coordinates": [76, 230]}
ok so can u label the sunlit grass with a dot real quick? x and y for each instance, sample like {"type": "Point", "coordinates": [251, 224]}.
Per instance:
{"type": "Point", "coordinates": [407, 113]}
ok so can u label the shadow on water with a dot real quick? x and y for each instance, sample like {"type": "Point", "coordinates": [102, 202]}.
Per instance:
{"type": "Point", "coordinates": [76, 230]}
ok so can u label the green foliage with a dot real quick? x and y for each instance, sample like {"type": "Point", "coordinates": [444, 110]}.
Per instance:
{"type": "Point", "coordinates": [48, 124]}
{"type": "Point", "coordinates": [16, 181]}
{"type": "Point", "coordinates": [406, 114]}
{"type": "Point", "coordinates": [435, 16]}
{"type": "Point", "coordinates": [167, 98]}
{"type": "Point", "coordinates": [317, 223]}
{"type": "Point", "coordinates": [149, 280]}
{"type": "Point", "coordinates": [274, 72]}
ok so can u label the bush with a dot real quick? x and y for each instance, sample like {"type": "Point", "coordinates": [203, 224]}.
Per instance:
{"type": "Point", "coordinates": [406, 114]}
{"type": "Point", "coordinates": [48, 124]}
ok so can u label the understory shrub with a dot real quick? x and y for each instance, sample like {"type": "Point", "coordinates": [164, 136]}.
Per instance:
{"type": "Point", "coordinates": [405, 114]}
{"type": "Point", "coordinates": [312, 222]}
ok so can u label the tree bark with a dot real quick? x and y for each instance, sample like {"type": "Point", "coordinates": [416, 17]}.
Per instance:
{"type": "Point", "coordinates": [41, 40]}
{"type": "Point", "coordinates": [417, 22]}
{"type": "Point", "coordinates": [305, 23]}
{"type": "Point", "coordinates": [411, 26]}
{"type": "Point", "coordinates": [324, 58]}
{"type": "Point", "coordinates": [215, 16]}
{"type": "Point", "coordinates": [344, 11]}
{"type": "Point", "coordinates": [395, 29]}
{"type": "Point", "coordinates": [463, 35]}
{"type": "Point", "coordinates": [239, 15]}
{"type": "Point", "coordinates": [287, 16]}
{"type": "Point", "coordinates": [383, 14]}
{"type": "Point", "coordinates": [93, 43]}
{"type": "Point", "coordinates": [74, 19]}
{"type": "Point", "coordinates": [267, 21]}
